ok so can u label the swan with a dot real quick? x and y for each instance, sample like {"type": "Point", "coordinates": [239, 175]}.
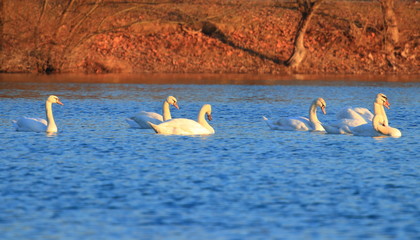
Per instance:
{"type": "Point", "coordinates": [27, 124]}
{"type": "Point", "coordinates": [301, 123]}
{"type": "Point", "coordinates": [141, 119]}
{"type": "Point", "coordinates": [353, 117]}
{"type": "Point", "coordinates": [377, 128]}
{"type": "Point", "coordinates": [183, 126]}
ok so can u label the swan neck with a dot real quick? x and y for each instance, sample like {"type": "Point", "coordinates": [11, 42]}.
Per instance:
{"type": "Point", "coordinates": [166, 112]}
{"type": "Point", "coordinates": [380, 110]}
{"type": "Point", "coordinates": [51, 127]}
{"type": "Point", "coordinates": [312, 114]}
{"type": "Point", "coordinates": [201, 119]}
{"type": "Point", "coordinates": [313, 118]}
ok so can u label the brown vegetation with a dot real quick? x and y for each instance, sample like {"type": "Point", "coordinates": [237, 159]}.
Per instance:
{"type": "Point", "coordinates": [201, 36]}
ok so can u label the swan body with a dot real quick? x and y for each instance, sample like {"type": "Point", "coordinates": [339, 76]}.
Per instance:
{"type": "Point", "coordinates": [183, 126]}
{"type": "Point", "coordinates": [300, 123]}
{"type": "Point", "coordinates": [358, 114]}
{"type": "Point", "coordinates": [377, 128]}
{"type": "Point", "coordinates": [352, 117]}
{"type": "Point", "coordinates": [342, 126]}
{"type": "Point", "coordinates": [141, 119]}
{"type": "Point", "coordinates": [27, 124]}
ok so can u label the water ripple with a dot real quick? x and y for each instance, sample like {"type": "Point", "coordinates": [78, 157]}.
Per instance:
{"type": "Point", "coordinates": [99, 179]}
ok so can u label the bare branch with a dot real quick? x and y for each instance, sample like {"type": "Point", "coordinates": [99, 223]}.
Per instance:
{"type": "Point", "coordinates": [78, 24]}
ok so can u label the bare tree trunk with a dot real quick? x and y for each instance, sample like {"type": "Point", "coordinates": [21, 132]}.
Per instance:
{"type": "Point", "coordinates": [41, 15]}
{"type": "Point", "coordinates": [71, 43]}
{"type": "Point", "coordinates": [50, 63]}
{"type": "Point", "coordinates": [307, 9]}
{"type": "Point", "coordinates": [391, 36]}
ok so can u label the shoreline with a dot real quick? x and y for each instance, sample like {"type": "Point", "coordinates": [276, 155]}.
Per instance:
{"type": "Point", "coordinates": [198, 37]}
{"type": "Point", "coordinates": [207, 78]}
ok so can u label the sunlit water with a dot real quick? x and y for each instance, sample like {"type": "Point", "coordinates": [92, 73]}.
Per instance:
{"type": "Point", "coordinates": [99, 179]}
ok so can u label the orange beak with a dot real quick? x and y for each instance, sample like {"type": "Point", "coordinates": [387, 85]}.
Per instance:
{"type": "Point", "coordinates": [59, 102]}
{"type": "Point", "coordinates": [387, 104]}
{"type": "Point", "coordinates": [324, 110]}
{"type": "Point", "coordinates": [176, 105]}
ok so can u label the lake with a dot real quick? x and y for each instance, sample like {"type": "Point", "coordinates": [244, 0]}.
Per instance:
{"type": "Point", "coordinates": [99, 179]}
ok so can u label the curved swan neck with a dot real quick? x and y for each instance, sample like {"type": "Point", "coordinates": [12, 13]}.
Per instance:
{"type": "Point", "coordinates": [166, 112]}
{"type": "Point", "coordinates": [312, 113]}
{"type": "Point", "coordinates": [51, 127]}
{"type": "Point", "coordinates": [380, 110]}
{"type": "Point", "coordinates": [201, 119]}
{"type": "Point", "coordinates": [314, 118]}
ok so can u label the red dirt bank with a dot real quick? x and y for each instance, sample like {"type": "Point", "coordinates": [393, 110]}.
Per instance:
{"type": "Point", "coordinates": [199, 37]}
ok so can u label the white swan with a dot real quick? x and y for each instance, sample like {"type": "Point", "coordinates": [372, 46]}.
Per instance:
{"type": "Point", "coordinates": [357, 114]}
{"type": "Point", "coordinates": [300, 123]}
{"type": "Point", "coordinates": [141, 119]}
{"type": "Point", "coordinates": [26, 124]}
{"type": "Point", "coordinates": [183, 126]}
{"type": "Point", "coordinates": [377, 128]}
{"type": "Point", "coordinates": [353, 117]}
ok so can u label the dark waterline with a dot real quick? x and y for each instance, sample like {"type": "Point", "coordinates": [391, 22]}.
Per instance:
{"type": "Point", "coordinates": [235, 79]}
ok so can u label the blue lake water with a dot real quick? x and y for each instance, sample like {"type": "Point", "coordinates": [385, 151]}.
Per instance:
{"type": "Point", "coordinates": [99, 179]}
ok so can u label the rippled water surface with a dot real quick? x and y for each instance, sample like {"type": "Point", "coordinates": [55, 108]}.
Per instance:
{"type": "Point", "coordinates": [99, 179]}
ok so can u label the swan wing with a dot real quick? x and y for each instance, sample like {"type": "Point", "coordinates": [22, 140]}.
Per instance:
{"type": "Point", "coordinates": [357, 114]}
{"type": "Point", "coordinates": [26, 124]}
{"type": "Point", "coordinates": [342, 126]}
{"type": "Point", "coordinates": [365, 130]}
{"type": "Point", "coordinates": [337, 129]}
{"type": "Point", "coordinates": [348, 118]}
{"type": "Point", "coordinates": [132, 123]}
{"type": "Point", "coordinates": [141, 119]}
{"type": "Point", "coordinates": [290, 124]}
{"type": "Point", "coordinates": [180, 126]}
{"type": "Point", "coordinates": [364, 113]}
{"type": "Point", "coordinates": [295, 123]}
{"type": "Point", "coordinates": [271, 124]}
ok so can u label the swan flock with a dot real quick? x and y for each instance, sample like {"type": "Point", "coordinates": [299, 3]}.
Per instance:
{"type": "Point", "coordinates": [353, 121]}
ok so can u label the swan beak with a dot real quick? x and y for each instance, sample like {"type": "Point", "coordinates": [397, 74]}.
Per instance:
{"type": "Point", "coordinates": [387, 104]}
{"type": "Point", "coordinates": [209, 117]}
{"type": "Point", "coordinates": [59, 102]}
{"type": "Point", "coordinates": [324, 110]}
{"type": "Point", "coordinates": [176, 105]}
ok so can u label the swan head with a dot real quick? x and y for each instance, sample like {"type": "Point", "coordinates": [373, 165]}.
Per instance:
{"type": "Point", "coordinates": [320, 102]}
{"type": "Point", "coordinates": [172, 101]}
{"type": "Point", "coordinates": [54, 99]}
{"type": "Point", "coordinates": [207, 109]}
{"type": "Point", "coordinates": [381, 99]}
